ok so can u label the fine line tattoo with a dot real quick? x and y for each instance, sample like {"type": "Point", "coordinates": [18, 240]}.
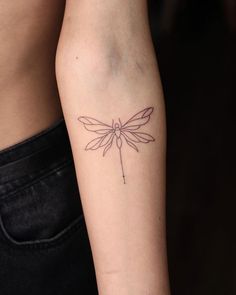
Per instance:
{"type": "Point", "coordinates": [121, 132]}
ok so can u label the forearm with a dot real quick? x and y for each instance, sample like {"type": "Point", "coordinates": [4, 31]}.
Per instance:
{"type": "Point", "coordinates": [116, 77]}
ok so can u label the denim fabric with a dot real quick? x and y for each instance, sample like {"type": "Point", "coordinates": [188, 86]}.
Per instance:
{"type": "Point", "coordinates": [44, 245]}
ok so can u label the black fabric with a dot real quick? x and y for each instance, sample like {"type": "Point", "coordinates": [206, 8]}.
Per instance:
{"type": "Point", "coordinates": [44, 245]}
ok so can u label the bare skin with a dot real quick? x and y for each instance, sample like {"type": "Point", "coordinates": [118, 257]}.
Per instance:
{"type": "Point", "coordinates": [29, 102]}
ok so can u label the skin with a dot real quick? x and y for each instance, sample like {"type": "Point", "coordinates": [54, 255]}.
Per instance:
{"type": "Point", "coordinates": [29, 101]}
{"type": "Point", "coordinates": [106, 68]}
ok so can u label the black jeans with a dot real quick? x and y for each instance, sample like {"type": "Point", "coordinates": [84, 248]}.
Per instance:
{"type": "Point", "coordinates": [44, 245]}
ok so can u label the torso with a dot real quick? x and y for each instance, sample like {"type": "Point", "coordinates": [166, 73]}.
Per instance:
{"type": "Point", "coordinates": [29, 102]}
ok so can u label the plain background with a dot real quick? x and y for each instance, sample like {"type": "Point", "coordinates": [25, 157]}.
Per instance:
{"type": "Point", "coordinates": [195, 43]}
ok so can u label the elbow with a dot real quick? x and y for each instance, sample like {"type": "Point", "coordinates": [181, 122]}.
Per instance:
{"type": "Point", "coordinates": [99, 62]}
{"type": "Point", "coordinates": [101, 68]}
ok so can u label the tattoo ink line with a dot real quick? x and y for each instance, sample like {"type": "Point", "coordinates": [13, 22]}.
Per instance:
{"type": "Point", "coordinates": [121, 132]}
{"type": "Point", "coordinates": [121, 163]}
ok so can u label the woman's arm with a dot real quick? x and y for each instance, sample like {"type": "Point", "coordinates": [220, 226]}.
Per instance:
{"type": "Point", "coordinates": [107, 71]}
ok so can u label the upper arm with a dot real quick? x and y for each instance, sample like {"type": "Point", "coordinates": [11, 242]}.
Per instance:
{"type": "Point", "coordinates": [103, 15]}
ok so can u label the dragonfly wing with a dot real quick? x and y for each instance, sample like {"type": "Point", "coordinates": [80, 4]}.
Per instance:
{"type": "Point", "coordinates": [130, 136]}
{"type": "Point", "coordinates": [94, 125]}
{"type": "Point", "coordinates": [131, 128]}
{"type": "Point", "coordinates": [98, 142]}
{"type": "Point", "coordinates": [97, 129]}
{"type": "Point", "coordinates": [108, 145]}
{"type": "Point", "coordinates": [143, 137]}
{"type": "Point", "coordinates": [107, 139]}
{"type": "Point", "coordinates": [129, 142]}
{"type": "Point", "coordinates": [94, 144]}
{"type": "Point", "coordinates": [139, 119]}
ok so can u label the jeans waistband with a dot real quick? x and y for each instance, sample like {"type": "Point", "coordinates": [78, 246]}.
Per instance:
{"type": "Point", "coordinates": [35, 152]}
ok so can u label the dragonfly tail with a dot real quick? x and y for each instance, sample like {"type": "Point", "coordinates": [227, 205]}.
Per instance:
{"type": "Point", "coordinates": [122, 168]}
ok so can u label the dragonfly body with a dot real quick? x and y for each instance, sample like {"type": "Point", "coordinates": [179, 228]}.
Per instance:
{"type": "Point", "coordinates": [117, 130]}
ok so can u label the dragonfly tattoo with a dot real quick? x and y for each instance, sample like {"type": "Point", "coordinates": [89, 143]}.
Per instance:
{"type": "Point", "coordinates": [118, 131]}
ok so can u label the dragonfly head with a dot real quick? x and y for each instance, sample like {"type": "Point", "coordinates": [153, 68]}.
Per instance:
{"type": "Point", "coordinates": [117, 126]}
